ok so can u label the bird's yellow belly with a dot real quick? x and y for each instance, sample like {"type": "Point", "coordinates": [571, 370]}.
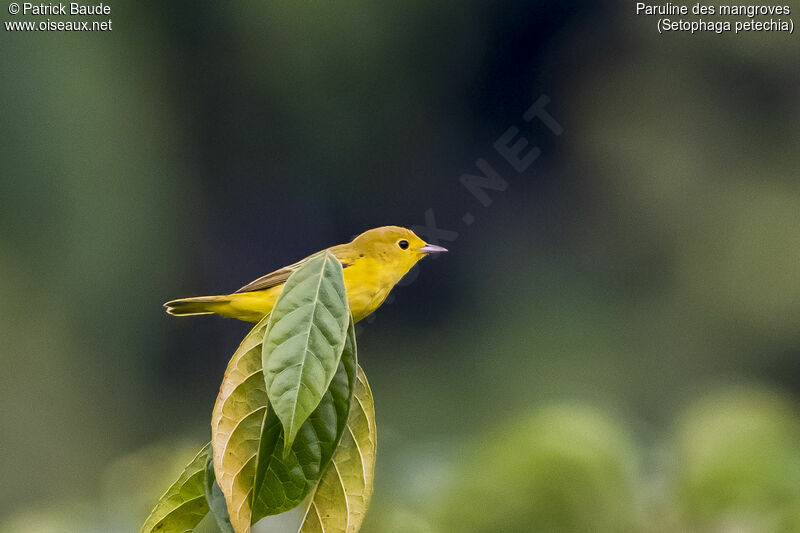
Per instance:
{"type": "Point", "coordinates": [250, 306]}
{"type": "Point", "coordinates": [363, 299]}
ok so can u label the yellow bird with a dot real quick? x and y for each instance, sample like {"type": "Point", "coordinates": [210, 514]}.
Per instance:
{"type": "Point", "coordinates": [373, 263]}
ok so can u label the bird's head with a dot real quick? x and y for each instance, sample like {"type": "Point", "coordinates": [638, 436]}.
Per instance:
{"type": "Point", "coordinates": [395, 245]}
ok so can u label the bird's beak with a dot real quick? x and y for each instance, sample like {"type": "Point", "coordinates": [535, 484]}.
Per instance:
{"type": "Point", "coordinates": [432, 249]}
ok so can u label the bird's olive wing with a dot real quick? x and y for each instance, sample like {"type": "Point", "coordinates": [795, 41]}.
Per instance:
{"type": "Point", "coordinates": [270, 280]}
{"type": "Point", "coordinates": [279, 277]}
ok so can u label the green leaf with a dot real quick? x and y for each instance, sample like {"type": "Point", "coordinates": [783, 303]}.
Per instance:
{"type": "Point", "coordinates": [304, 341]}
{"type": "Point", "coordinates": [215, 498]}
{"type": "Point", "coordinates": [184, 504]}
{"type": "Point", "coordinates": [236, 429]}
{"type": "Point", "coordinates": [282, 483]}
{"type": "Point", "coordinates": [236, 426]}
{"type": "Point", "coordinates": [339, 502]}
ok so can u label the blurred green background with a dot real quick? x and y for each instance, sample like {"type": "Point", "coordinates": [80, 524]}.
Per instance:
{"type": "Point", "coordinates": [613, 345]}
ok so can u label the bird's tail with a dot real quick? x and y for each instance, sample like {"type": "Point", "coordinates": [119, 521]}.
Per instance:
{"type": "Point", "coordinates": [201, 305]}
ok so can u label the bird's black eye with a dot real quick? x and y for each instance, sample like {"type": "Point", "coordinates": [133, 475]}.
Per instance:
{"type": "Point", "coordinates": [402, 244]}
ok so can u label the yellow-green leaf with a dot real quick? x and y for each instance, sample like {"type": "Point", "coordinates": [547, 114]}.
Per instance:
{"type": "Point", "coordinates": [339, 502]}
{"type": "Point", "coordinates": [236, 426]}
{"type": "Point", "coordinates": [304, 341]}
{"type": "Point", "coordinates": [184, 504]}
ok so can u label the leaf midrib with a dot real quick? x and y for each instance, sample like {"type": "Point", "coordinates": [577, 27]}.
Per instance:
{"type": "Point", "coordinates": [308, 337]}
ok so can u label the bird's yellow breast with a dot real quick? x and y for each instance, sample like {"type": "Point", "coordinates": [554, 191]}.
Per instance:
{"type": "Point", "coordinates": [368, 283]}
